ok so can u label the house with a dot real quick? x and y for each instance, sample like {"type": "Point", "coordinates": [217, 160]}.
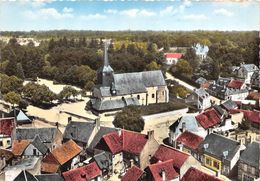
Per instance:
{"type": "Point", "coordinates": [19, 146]}
{"type": "Point", "coordinates": [246, 71]}
{"type": "Point", "coordinates": [185, 123]}
{"type": "Point", "coordinates": [51, 137]}
{"type": "Point", "coordinates": [133, 174]}
{"type": "Point", "coordinates": [189, 142]}
{"type": "Point", "coordinates": [80, 132]}
{"type": "Point", "coordinates": [197, 175]}
{"type": "Point", "coordinates": [6, 128]}
{"type": "Point", "coordinates": [249, 163]}
{"type": "Point", "coordinates": [130, 146]}
{"type": "Point", "coordinates": [201, 50]}
{"type": "Point", "coordinates": [226, 88]}
{"type": "Point", "coordinates": [104, 162]}
{"type": "Point", "coordinates": [199, 98]}
{"type": "Point", "coordinates": [162, 171]}
{"type": "Point", "coordinates": [253, 116]}
{"type": "Point", "coordinates": [172, 58]}
{"type": "Point", "coordinates": [61, 158]}
{"type": "Point", "coordinates": [236, 84]}
{"type": "Point", "coordinates": [6, 157]}
{"type": "Point", "coordinates": [36, 147]}
{"type": "Point", "coordinates": [31, 165]}
{"type": "Point", "coordinates": [20, 117]}
{"type": "Point", "coordinates": [202, 82]}
{"type": "Point", "coordinates": [49, 177]}
{"type": "Point", "coordinates": [181, 161]}
{"type": "Point", "coordinates": [87, 172]}
{"type": "Point", "coordinates": [255, 80]}
{"type": "Point", "coordinates": [220, 154]}
{"type": "Point", "coordinates": [24, 176]}
{"type": "Point", "coordinates": [228, 105]}
{"type": "Point", "coordinates": [115, 91]}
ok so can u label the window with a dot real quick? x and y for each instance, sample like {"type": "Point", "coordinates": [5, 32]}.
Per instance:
{"type": "Point", "coordinates": [1, 143]}
{"type": "Point", "coordinates": [247, 178]}
{"type": "Point", "coordinates": [208, 161]}
{"type": "Point", "coordinates": [216, 164]}
{"type": "Point", "coordinates": [138, 97]}
{"type": "Point", "coordinates": [245, 167]}
{"type": "Point", "coordinates": [152, 95]}
{"type": "Point", "coordinates": [34, 151]}
{"type": "Point", "coordinates": [253, 170]}
{"type": "Point", "coordinates": [9, 142]}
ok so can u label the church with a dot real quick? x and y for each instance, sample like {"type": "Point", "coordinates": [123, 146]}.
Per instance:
{"type": "Point", "coordinates": [116, 91]}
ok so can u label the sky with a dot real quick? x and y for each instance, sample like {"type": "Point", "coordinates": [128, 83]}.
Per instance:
{"type": "Point", "coordinates": [129, 15]}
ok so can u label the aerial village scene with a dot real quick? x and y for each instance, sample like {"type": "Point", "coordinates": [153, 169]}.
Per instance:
{"type": "Point", "coordinates": [129, 90]}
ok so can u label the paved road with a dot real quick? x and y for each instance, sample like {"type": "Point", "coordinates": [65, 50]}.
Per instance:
{"type": "Point", "coordinates": [188, 86]}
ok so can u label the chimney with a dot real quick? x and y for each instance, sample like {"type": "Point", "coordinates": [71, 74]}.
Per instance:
{"type": "Point", "coordinates": [97, 123]}
{"type": "Point", "coordinates": [69, 119]}
{"type": "Point", "coordinates": [180, 147]}
{"type": "Point", "coordinates": [150, 134]}
{"type": "Point", "coordinates": [131, 163]}
{"type": "Point", "coordinates": [57, 125]}
{"type": "Point", "coordinates": [183, 127]}
{"type": "Point", "coordinates": [119, 131]}
{"type": "Point", "coordinates": [163, 175]}
{"type": "Point", "coordinates": [218, 173]}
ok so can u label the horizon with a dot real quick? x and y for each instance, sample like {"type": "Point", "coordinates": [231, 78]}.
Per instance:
{"type": "Point", "coordinates": [112, 16]}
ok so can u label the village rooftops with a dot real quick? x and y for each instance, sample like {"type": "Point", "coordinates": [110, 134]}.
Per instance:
{"type": "Point", "coordinates": [201, 80]}
{"type": "Point", "coordinates": [103, 161]}
{"type": "Point", "coordinates": [190, 140]}
{"type": "Point", "coordinates": [194, 174]}
{"type": "Point", "coordinates": [235, 84]}
{"type": "Point", "coordinates": [18, 146]}
{"type": "Point", "coordinates": [209, 118]}
{"type": "Point", "coordinates": [249, 67]}
{"type": "Point", "coordinates": [25, 176]}
{"type": "Point", "coordinates": [190, 122]}
{"type": "Point", "coordinates": [133, 174]}
{"type": "Point", "coordinates": [47, 135]}
{"type": "Point", "coordinates": [251, 155]}
{"type": "Point", "coordinates": [87, 172]}
{"type": "Point", "coordinates": [218, 145]}
{"type": "Point", "coordinates": [24, 164]}
{"type": "Point", "coordinates": [229, 104]}
{"type": "Point", "coordinates": [201, 93]}
{"type": "Point", "coordinates": [165, 153]}
{"type": "Point", "coordinates": [163, 168]}
{"type": "Point", "coordinates": [21, 117]}
{"type": "Point", "coordinates": [79, 131]}
{"type": "Point", "coordinates": [252, 116]}
{"type": "Point", "coordinates": [49, 177]}
{"type": "Point", "coordinates": [173, 55]}
{"type": "Point", "coordinates": [37, 143]}
{"type": "Point", "coordinates": [7, 154]}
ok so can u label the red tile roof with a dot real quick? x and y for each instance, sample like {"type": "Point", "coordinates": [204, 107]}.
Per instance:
{"type": "Point", "coordinates": [7, 154]}
{"type": "Point", "coordinates": [49, 164]}
{"type": "Point", "coordinates": [190, 140]}
{"type": "Point", "coordinates": [166, 166]}
{"type": "Point", "coordinates": [252, 116]}
{"type": "Point", "coordinates": [165, 153]}
{"type": "Point", "coordinates": [197, 175]}
{"type": "Point", "coordinates": [173, 55]}
{"type": "Point", "coordinates": [254, 95]}
{"type": "Point", "coordinates": [87, 172]}
{"type": "Point", "coordinates": [6, 126]}
{"type": "Point", "coordinates": [18, 146]}
{"type": "Point", "coordinates": [235, 84]}
{"type": "Point", "coordinates": [208, 118]}
{"type": "Point", "coordinates": [133, 174]}
{"type": "Point", "coordinates": [128, 141]}
{"type": "Point", "coordinates": [66, 152]}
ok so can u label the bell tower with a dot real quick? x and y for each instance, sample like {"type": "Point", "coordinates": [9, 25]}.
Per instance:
{"type": "Point", "coordinates": [105, 74]}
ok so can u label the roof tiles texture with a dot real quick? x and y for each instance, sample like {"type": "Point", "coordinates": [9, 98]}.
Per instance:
{"type": "Point", "coordinates": [19, 146]}
{"type": "Point", "coordinates": [173, 55]}
{"type": "Point", "coordinates": [190, 140]}
{"type": "Point", "coordinates": [133, 174]}
{"type": "Point", "coordinates": [6, 126]}
{"type": "Point", "coordinates": [50, 164]}
{"type": "Point", "coordinates": [166, 166]}
{"type": "Point", "coordinates": [84, 173]}
{"type": "Point", "coordinates": [197, 175]}
{"type": "Point", "coordinates": [208, 118]}
{"type": "Point", "coordinates": [252, 116]}
{"type": "Point", "coordinates": [165, 153]}
{"type": "Point", "coordinates": [235, 84]}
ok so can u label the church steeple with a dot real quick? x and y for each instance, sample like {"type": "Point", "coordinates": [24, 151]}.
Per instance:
{"type": "Point", "coordinates": [105, 74]}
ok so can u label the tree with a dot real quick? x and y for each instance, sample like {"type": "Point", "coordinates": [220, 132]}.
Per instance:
{"type": "Point", "coordinates": [129, 118]}
{"type": "Point", "coordinates": [67, 92]}
{"type": "Point", "coordinates": [153, 66]}
{"type": "Point", "coordinates": [183, 67]}
{"type": "Point", "coordinates": [23, 104]}
{"type": "Point", "coordinates": [192, 58]}
{"type": "Point", "coordinates": [12, 97]}
{"type": "Point", "coordinates": [178, 90]}
{"type": "Point", "coordinates": [20, 72]}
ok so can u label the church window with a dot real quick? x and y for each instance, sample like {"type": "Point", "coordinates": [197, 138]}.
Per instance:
{"type": "Point", "coordinates": [138, 97]}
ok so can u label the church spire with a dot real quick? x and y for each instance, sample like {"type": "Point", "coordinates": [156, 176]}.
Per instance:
{"type": "Point", "coordinates": [106, 45]}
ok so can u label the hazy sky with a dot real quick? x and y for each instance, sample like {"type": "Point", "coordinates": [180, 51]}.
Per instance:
{"type": "Point", "coordinates": [133, 15]}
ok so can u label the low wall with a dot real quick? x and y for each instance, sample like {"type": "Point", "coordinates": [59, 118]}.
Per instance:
{"type": "Point", "coordinates": [164, 115]}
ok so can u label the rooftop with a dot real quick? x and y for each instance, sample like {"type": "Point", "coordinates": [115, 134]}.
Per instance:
{"type": "Point", "coordinates": [133, 174]}
{"type": "Point", "coordinates": [190, 140]}
{"type": "Point", "coordinates": [235, 84]}
{"type": "Point", "coordinates": [18, 146]}
{"type": "Point", "coordinates": [197, 175]}
{"type": "Point", "coordinates": [251, 115]}
{"type": "Point", "coordinates": [208, 118]}
{"type": "Point", "coordinates": [173, 55]}
{"type": "Point", "coordinates": [251, 155]}
{"type": "Point", "coordinates": [6, 126]}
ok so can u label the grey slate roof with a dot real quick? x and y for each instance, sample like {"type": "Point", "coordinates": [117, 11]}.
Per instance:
{"type": "Point", "coordinates": [218, 144]}
{"type": "Point", "coordinates": [251, 155]}
{"type": "Point", "coordinates": [102, 105]}
{"type": "Point", "coordinates": [101, 132]}
{"type": "Point", "coordinates": [229, 104]}
{"type": "Point", "coordinates": [49, 177]}
{"type": "Point", "coordinates": [25, 176]}
{"type": "Point", "coordinates": [79, 131]}
{"type": "Point", "coordinates": [21, 117]}
{"type": "Point", "coordinates": [201, 80]}
{"type": "Point", "coordinates": [102, 160]}
{"type": "Point", "coordinates": [37, 143]}
{"type": "Point", "coordinates": [223, 81]}
{"type": "Point", "coordinates": [46, 134]}
{"type": "Point", "coordinates": [190, 122]}
{"type": "Point", "coordinates": [249, 67]}
{"type": "Point", "coordinates": [201, 93]}
{"type": "Point", "coordinates": [221, 90]}
{"type": "Point", "coordinates": [256, 75]}
{"type": "Point", "coordinates": [219, 109]}
{"type": "Point", "coordinates": [136, 82]}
